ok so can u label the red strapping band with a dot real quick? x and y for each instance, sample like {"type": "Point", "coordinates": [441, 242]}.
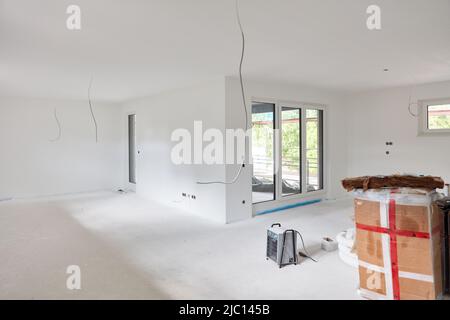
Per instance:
{"type": "Point", "coordinates": [394, 253]}
{"type": "Point", "coordinates": [403, 233]}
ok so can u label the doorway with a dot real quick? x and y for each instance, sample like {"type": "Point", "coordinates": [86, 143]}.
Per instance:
{"type": "Point", "coordinates": [132, 151]}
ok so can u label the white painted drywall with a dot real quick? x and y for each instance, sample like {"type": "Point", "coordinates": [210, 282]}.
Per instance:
{"type": "Point", "coordinates": [158, 178]}
{"type": "Point", "coordinates": [379, 116]}
{"type": "Point", "coordinates": [31, 165]}
{"type": "Point", "coordinates": [335, 137]}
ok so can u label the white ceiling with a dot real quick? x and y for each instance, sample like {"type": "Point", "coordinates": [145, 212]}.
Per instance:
{"type": "Point", "coordinates": [135, 48]}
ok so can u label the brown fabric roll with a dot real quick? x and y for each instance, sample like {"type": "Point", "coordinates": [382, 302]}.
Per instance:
{"type": "Point", "coordinates": [394, 181]}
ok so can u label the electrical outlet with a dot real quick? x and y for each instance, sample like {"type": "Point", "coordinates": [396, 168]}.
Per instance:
{"type": "Point", "coordinates": [189, 196]}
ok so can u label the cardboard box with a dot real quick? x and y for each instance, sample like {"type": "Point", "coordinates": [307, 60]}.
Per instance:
{"type": "Point", "coordinates": [398, 243]}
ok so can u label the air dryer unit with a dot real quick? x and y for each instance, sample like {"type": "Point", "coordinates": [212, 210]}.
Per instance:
{"type": "Point", "coordinates": [281, 245]}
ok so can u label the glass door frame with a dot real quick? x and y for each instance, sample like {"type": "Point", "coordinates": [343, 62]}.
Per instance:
{"type": "Point", "coordinates": [130, 186]}
{"type": "Point", "coordinates": [304, 194]}
{"type": "Point", "coordinates": [279, 145]}
{"type": "Point", "coordinates": [275, 150]}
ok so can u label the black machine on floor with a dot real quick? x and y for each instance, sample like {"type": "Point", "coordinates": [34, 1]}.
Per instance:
{"type": "Point", "coordinates": [444, 205]}
{"type": "Point", "coordinates": [282, 245]}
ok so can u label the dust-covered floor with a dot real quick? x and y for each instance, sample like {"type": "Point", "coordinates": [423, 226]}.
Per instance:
{"type": "Point", "coordinates": [129, 248]}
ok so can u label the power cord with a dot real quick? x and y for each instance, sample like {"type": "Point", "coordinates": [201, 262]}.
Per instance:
{"type": "Point", "coordinates": [306, 254]}
{"type": "Point", "coordinates": [224, 182]}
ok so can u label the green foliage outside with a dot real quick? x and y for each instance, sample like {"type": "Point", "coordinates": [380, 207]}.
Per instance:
{"type": "Point", "coordinates": [312, 140]}
{"type": "Point", "coordinates": [262, 133]}
{"type": "Point", "coordinates": [439, 122]}
{"type": "Point", "coordinates": [291, 139]}
{"type": "Point", "coordinates": [439, 116]}
{"type": "Point", "coordinates": [263, 137]}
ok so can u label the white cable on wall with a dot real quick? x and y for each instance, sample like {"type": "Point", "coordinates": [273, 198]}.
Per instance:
{"type": "Point", "coordinates": [412, 88]}
{"type": "Point", "coordinates": [240, 65]}
{"type": "Point", "coordinates": [412, 104]}
{"type": "Point", "coordinates": [236, 177]}
{"type": "Point", "coordinates": [92, 111]}
{"type": "Point", "coordinates": [59, 126]}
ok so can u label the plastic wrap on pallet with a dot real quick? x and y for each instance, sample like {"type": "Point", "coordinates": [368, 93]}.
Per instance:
{"type": "Point", "coordinates": [397, 242]}
{"type": "Point", "coordinates": [407, 196]}
{"type": "Point", "coordinates": [346, 241]}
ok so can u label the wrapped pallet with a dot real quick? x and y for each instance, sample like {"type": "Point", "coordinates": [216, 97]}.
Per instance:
{"type": "Point", "coordinates": [398, 243]}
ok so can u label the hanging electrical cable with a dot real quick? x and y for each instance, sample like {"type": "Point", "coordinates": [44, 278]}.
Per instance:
{"type": "Point", "coordinates": [236, 177]}
{"type": "Point", "coordinates": [59, 127]}
{"type": "Point", "coordinates": [92, 111]}
{"type": "Point", "coordinates": [412, 104]}
{"type": "Point", "coordinates": [240, 65]}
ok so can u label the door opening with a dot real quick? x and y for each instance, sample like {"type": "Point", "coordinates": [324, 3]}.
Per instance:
{"type": "Point", "coordinates": [132, 148]}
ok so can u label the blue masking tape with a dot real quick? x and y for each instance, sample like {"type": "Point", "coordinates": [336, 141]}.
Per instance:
{"type": "Point", "coordinates": [289, 206]}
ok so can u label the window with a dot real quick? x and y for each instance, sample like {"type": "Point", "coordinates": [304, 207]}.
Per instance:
{"type": "Point", "coordinates": [435, 116]}
{"type": "Point", "coordinates": [438, 117]}
{"type": "Point", "coordinates": [287, 150]}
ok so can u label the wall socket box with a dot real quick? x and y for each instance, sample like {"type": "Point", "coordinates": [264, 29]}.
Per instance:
{"type": "Point", "coordinates": [189, 196]}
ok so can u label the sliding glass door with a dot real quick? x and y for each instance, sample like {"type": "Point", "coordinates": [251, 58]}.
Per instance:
{"type": "Point", "coordinates": [291, 150]}
{"type": "Point", "coordinates": [287, 150]}
{"type": "Point", "coordinates": [314, 149]}
{"type": "Point", "coordinates": [263, 152]}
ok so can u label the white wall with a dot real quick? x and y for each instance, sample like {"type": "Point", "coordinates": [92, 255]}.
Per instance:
{"type": "Point", "coordinates": [357, 127]}
{"type": "Point", "coordinates": [31, 165]}
{"type": "Point", "coordinates": [158, 178]}
{"type": "Point", "coordinates": [218, 104]}
{"type": "Point", "coordinates": [380, 116]}
{"type": "Point", "coordinates": [335, 137]}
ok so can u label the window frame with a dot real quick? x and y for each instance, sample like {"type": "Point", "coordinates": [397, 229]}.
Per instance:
{"type": "Point", "coordinates": [423, 117]}
{"type": "Point", "coordinates": [304, 194]}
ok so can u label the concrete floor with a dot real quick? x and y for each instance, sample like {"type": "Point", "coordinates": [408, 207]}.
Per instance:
{"type": "Point", "coordinates": [128, 248]}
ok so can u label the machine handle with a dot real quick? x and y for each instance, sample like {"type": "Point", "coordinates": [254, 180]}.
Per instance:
{"type": "Point", "coordinates": [276, 224]}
